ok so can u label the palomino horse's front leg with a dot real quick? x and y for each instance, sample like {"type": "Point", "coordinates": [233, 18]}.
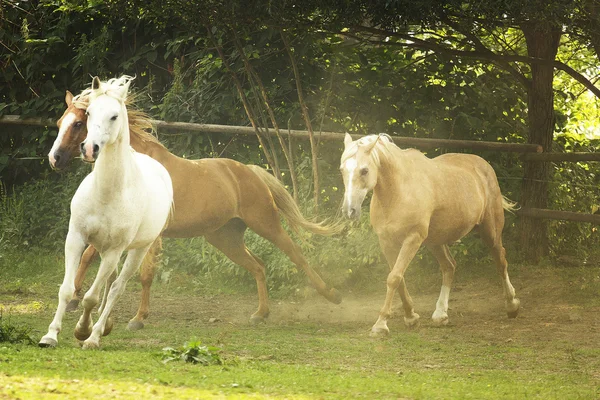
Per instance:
{"type": "Point", "coordinates": [395, 281]}
{"type": "Point", "coordinates": [131, 265]}
{"type": "Point", "coordinates": [148, 270]}
{"type": "Point", "coordinates": [88, 257]}
{"type": "Point", "coordinates": [108, 265]}
{"type": "Point", "coordinates": [74, 246]}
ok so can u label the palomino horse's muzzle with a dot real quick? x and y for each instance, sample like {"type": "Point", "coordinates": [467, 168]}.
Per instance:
{"type": "Point", "coordinates": [89, 151]}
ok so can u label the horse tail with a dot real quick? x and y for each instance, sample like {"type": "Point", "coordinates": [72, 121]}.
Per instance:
{"type": "Point", "coordinates": [288, 207]}
{"type": "Point", "coordinates": [509, 205]}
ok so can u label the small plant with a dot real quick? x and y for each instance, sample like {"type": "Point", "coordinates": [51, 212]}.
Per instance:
{"type": "Point", "coordinates": [193, 352]}
{"type": "Point", "coordinates": [14, 333]}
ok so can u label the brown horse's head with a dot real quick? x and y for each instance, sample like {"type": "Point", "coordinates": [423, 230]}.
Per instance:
{"type": "Point", "coordinates": [72, 131]}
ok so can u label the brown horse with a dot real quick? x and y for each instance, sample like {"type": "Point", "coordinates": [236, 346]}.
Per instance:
{"type": "Point", "coordinates": [422, 201]}
{"type": "Point", "coordinates": [215, 197]}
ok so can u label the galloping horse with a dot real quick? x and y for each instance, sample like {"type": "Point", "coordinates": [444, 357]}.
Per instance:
{"type": "Point", "coordinates": [417, 200]}
{"type": "Point", "coordinates": [122, 205]}
{"type": "Point", "coordinates": [215, 198]}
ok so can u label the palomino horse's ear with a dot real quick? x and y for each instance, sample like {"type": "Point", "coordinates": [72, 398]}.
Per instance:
{"type": "Point", "coordinates": [69, 98]}
{"type": "Point", "coordinates": [95, 83]}
{"type": "Point", "coordinates": [369, 147]}
{"type": "Point", "coordinates": [347, 139]}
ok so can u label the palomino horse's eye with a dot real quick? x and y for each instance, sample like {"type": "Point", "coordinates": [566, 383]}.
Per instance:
{"type": "Point", "coordinates": [364, 171]}
{"type": "Point", "coordinates": [114, 118]}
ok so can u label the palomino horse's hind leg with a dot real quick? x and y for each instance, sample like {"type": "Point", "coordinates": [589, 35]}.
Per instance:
{"type": "Point", "coordinates": [395, 279]}
{"type": "Point", "coordinates": [448, 266]}
{"type": "Point", "coordinates": [74, 246]}
{"type": "Point", "coordinates": [147, 272]}
{"type": "Point", "coordinates": [88, 257]}
{"type": "Point", "coordinates": [230, 240]}
{"type": "Point", "coordinates": [491, 232]}
{"type": "Point", "coordinates": [108, 264]}
{"type": "Point", "coordinates": [131, 265]}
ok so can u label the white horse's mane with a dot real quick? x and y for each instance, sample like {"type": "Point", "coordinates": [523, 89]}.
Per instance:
{"type": "Point", "coordinates": [111, 87]}
{"type": "Point", "coordinates": [383, 141]}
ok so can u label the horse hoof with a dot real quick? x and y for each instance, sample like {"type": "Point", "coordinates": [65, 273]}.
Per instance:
{"type": "Point", "coordinates": [379, 332]}
{"type": "Point", "coordinates": [440, 320]}
{"type": "Point", "coordinates": [108, 327]}
{"type": "Point", "coordinates": [513, 308]}
{"type": "Point", "coordinates": [334, 296]}
{"type": "Point", "coordinates": [72, 305]}
{"type": "Point", "coordinates": [135, 325]}
{"type": "Point", "coordinates": [258, 319]}
{"type": "Point", "coordinates": [413, 321]}
{"type": "Point", "coordinates": [82, 333]}
{"type": "Point", "coordinates": [47, 342]}
{"type": "Point", "coordinates": [89, 345]}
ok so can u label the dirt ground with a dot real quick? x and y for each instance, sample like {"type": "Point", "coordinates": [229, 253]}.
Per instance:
{"type": "Point", "coordinates": [550, 309]}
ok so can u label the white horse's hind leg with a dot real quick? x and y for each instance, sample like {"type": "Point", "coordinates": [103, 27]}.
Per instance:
{"type": "Point", "coordinates": [92, 296]}
{"type": "Point", "coordinates": [132, 264]}
{"type": "Point", "coordinates": [74, 246]}
{"type": "Point", "coordinates": [109, 323]}
{"type": "Point", "coordinates": [448, 266]}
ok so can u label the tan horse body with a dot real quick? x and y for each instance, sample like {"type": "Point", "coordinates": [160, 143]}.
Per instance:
{"type": "Point", "coordinates": [421, 201]}
{"type": "Point", "coordinates": [215, 198]}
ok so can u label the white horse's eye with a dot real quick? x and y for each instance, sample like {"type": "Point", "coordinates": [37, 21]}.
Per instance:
{"type": "Point", "coordinates": [114, 118]}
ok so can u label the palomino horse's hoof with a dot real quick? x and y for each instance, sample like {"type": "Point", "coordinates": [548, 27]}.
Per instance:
{"type": "Point", "coordinates": [47, 342]}
{"type": "Point", "coordinates": [440, 320]}
{"type": "Point", "coordinates": [108, 327]}
{"type": "Point", "coordinates": [135, 325]}
{"type": "Point", "coordinates": [72, 305]}
{"type": "Point", "coordinates": [258, 319]}
{"type": "Point", "coordinates": [379, 332]}
{"type": "Point", "coordinates": [334, 296]}
{"type": "Point", "coordinates": [413, 321]}
{"type": "Point", "coordinates": [512, 309]}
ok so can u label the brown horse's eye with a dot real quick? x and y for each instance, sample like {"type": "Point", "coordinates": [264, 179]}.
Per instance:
{"type": "Point", "coordinates": [78, 124]}
{"type": "Point", "coordinates": [364, 171]}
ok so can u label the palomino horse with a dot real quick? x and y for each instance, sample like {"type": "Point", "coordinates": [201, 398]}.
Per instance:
{"type": "Point", "coordinates": [417, 200]}
{"type": "Point", "coordinates": [122, 205]}
{"type": "Point", "coordinates": [215, 198]}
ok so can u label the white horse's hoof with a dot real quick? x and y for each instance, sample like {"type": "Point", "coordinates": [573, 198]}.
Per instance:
{"type": "Point", "coordinates": [440, 319]}
{"type": "Point", "coordinates": [47, 342]}
{"type": "Point", "coordinates": [412, 321]}
{"type": "Point", "coordinates": [90, 345]}
{"type": "Point", "coordinates": [108, 327]}
{"type": "Point", "coordinates": [379, 330]}
{"type": "Point", "coordinates": [82, 333]}
{"type": "Point", "coordinates": [512, 308]}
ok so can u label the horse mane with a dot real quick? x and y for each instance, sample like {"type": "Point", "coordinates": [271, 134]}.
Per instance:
{"type": "Point", "coordinates": [384, 142]}
{"type": "Point", "coordinates": [140, 123]}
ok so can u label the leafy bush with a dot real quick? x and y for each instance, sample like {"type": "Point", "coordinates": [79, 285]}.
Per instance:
{"type": "Point", "coordinates": [193, 352]}
{"type": "Point", "coordinates": [14, 333]}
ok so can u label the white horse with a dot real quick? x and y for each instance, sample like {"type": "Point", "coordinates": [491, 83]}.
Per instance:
{"type": "Point", "coordinates": [123, 205]}
{"type": "Point", "coordinates": [418, 200]}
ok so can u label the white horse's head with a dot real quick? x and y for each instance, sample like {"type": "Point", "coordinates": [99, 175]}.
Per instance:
{"type": "Point", "coordinates": [107, 115]}
{"type": "Point", "coordinates": [359, 166]}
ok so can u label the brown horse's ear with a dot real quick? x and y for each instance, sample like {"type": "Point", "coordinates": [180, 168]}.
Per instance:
{"type": "Point", "coordinates": [347, 139]}
{"type": "Point", "coordinates": [95, 83]}
{"type": "Point", "coordinates": [69, 98]}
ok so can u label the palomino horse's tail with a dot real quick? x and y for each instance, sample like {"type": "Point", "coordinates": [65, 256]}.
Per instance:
{"type": "Point", "coordinates": [288, 207]}
{"type": "Point", "coordinates": [509, 205]}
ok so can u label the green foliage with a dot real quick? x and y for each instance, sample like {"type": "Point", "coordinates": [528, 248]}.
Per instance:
{"type": "Point", "coordinates": [193, 352]}
{"type": "Point", "coordinates": [11, 332]}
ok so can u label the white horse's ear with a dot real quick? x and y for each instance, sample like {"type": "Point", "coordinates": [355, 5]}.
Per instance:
{"type": "Point", "coordinates": [369, 147]}
{"type": "Point", "coordinates": [96, 83]}
{"type": "Point", "coordinates": [69, 98]}
{"type": "Point", "coordinates": [123, 89]}
{"type": "Point", "coordinates": [347, 139]}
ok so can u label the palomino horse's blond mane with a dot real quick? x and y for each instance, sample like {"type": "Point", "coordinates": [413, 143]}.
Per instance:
{"type": "Point", "coordinates": [382, 142]}
{"type": "Point", "coordinates": [140, 123]}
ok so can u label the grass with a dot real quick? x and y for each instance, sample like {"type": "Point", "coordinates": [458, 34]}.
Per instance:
{"type": "Point", "coordinates": [313, 349]}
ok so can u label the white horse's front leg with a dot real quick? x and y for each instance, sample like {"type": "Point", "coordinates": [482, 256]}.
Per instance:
{"type": "Point", "coordinates": [74, 246]}
{"type": "Point", "coordinates": [131, 265]}
{"type": "Point", "coordinates": [108, 265]}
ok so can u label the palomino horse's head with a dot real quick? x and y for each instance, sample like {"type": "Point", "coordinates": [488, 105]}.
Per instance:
{"type": "Point", "coordinates": [359, 167]}
{"type": "Point", "coordinates": [107, 115]}
{"type": "Point", "coordinates": [71, 132]}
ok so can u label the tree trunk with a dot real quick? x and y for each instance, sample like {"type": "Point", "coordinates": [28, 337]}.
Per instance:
{"type": "Point", "coordinates": [542, 42]}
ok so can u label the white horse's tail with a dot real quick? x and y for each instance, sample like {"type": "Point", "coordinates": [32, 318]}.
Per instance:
{"type": "Point", "coordinates": [509, 205]}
